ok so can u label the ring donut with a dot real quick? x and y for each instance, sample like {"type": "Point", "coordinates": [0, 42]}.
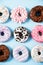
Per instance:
{"type": "Point", "coordinates": [19, 14]}
{"type": "Point", "coordinates": [4, 53]}
{"type": "Point", "coordinates": [37, 53]}
{"type": "Point", "coordinates": [21, 53]}
{"type": "Point", "coordinates": [36, 14]}
{"type": "Point", "coordinates": [37, 33]}
{"type": "Point", "coordinates": [4, 14]}
{"type": "Point", "coordinates": [5, 33]}
{"type": "Point", "coordinates": [21, 34]}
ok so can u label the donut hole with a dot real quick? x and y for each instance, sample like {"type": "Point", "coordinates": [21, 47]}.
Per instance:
{"type": "Point", "coordinates": [0, 13]}
{"type": "Point", "coordinates": [1, 52]}
{"type": "Point", "coordinates": [39, 53]}
{"type": "Point", "coordinates": [40, 33]}
{"type": "Point", "coordinates": [38, 13]}
{"type": "Point", "coordinates": [20, 53]}
{"type": "Point", "coordinates": [19, 14]}
{"type": "Point", "coordinates": [20, 35]}
{"type": "Point", "coordinates": [2, 33]}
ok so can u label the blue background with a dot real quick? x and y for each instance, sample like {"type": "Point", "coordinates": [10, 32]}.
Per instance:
{"type": "Point", "coordinates": [29, 24]}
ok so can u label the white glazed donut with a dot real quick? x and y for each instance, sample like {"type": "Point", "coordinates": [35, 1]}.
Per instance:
{"type": "Point", "coordinates": [20, 53]}
{"type": "Point", "coordinates": [37, 53]}
{"type": "Point", "coordinates": [21, 34]}
{"type": "Point", "coordinates": [5, 33]}
{"type": "Point", "coordinates": [4, 14]}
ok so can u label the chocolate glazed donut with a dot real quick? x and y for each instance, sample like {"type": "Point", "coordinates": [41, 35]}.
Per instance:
{"type": "Point", "coordinates": [36, 14]}
{"type": "Point", "coordinates": [4, 53]}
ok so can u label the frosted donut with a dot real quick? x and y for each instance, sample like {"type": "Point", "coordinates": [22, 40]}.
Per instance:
{"type": "Point", "coordinates": [21, 34]}
{"type": "Point", "coordinates": [19, 14]}
{"type": "Point", "coordinates": [37, 33]}
{"type": "Point", "coordinates": [37, 53]}
{"type": "Point", "coordinates": [4, 14]}
{"type": "Point", "coordinates": [21, 53]}
{"type": "Point", "coordinates": [5, 33]}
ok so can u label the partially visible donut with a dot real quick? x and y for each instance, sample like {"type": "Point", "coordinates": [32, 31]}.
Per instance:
{"type": "Point", "coordinates": [37, 33]}
{"type": "Point", "coordinates": [21, 53]}
{"type": "Point", "coordinates": [37, 53]}
{"type": "Point", "coordinates": [19, 14]}
{"type": "Point", "coordinates": [5, 33]}
{"type": "Point", "coordinates": [36, 14]}
{"type": "Point", "coordinates": [4, 14]}
{"type": "Point", "coordinates": [21, 34]}
{"type": "Point", "coordinates": [4, 53]}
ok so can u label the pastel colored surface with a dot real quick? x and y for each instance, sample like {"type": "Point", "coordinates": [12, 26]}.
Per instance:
{"type": "Point", "coordinates": [29, 24]}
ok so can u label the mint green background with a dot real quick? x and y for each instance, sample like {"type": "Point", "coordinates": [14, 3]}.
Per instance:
{"type": "Point", "coordinates": [29, 24]}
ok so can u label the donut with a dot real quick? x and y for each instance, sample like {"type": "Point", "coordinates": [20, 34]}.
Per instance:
{"type": "Point", "coordinates": [20, 53]}
{"type": "Point", "coordinates": [37, 53]}
{"type": "Point", "coordinates": [4, 53]}
{"type": "Point", "coordinates": [4, 14]}
{"type": "Point", "coordinates": [36, 14]}
{"type": "Point", "coordinates": [37, 33]}
{"type": "Point", "coordinates": [21, 34]}
{"type": "Point", "coordinates": [5, 33]}
{"type": "Point", "coordinates": [19, 14]}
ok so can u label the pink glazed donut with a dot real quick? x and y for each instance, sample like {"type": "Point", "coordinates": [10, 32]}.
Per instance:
{"type": "Point", "coordinates": [19, 14]}
{"type": "Point", "coordinates": [37, 33]}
